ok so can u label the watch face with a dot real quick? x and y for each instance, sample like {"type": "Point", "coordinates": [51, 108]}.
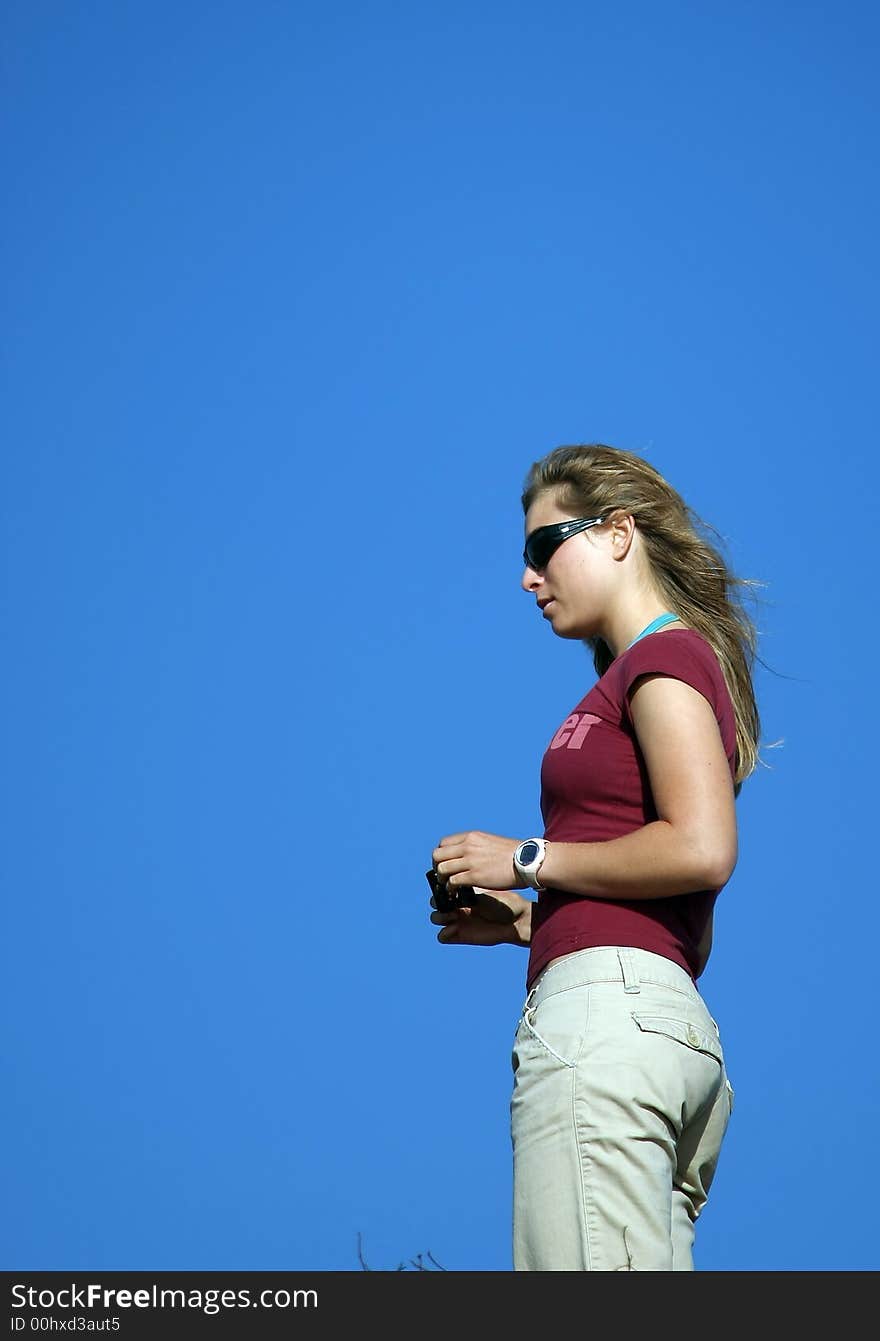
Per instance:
{"type": "Point", "coordinates": [527, 853]}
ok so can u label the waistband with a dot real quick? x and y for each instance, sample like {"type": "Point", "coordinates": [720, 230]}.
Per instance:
{"type": "Point", "coordinates": [612, 963]}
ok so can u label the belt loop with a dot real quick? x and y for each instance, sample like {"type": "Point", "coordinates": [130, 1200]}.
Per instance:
{"type": "Point", "coordinates": [628, 971]}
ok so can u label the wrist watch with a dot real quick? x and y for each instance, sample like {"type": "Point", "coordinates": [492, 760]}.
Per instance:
{"type": "Point", "coordinates": [527, 860]}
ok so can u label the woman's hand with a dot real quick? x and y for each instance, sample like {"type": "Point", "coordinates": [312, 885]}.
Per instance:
{"type": "Point", "coordinates": [498, 917]}
{"type": "Point", "coordinates": [476, 858]}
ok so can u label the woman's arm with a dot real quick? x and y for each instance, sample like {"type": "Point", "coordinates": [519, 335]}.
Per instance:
{"type": "Point", "coordinates": [692, 845]}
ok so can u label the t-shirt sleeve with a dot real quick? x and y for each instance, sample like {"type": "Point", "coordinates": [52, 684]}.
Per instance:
{"type": "Point", "coordinates": [668, 655]}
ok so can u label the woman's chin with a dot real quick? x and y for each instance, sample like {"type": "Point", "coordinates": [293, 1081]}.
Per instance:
{"type": "Point", "coordinates": [562, 627]}
{"type": "Point", "coordinates": [562, 630]}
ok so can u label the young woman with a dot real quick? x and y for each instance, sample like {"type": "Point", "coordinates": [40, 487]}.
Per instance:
{"type": "Point", "coordinates": [621, 1097]}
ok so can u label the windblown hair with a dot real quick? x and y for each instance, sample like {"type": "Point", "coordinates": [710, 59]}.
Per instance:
{"type": "Point", "coordinates": [594, 480]}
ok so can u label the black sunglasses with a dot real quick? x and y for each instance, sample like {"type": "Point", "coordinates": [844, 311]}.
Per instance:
{"type": "Point", "coordinates": [543, 543]}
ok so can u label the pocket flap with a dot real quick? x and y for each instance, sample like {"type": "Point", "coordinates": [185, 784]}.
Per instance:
{"type": "Point", "coordinates": [683, 1031]}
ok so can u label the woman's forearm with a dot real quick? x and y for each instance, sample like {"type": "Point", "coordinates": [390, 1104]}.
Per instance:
{"type": "Point", "coordinates": [653, 862]}
{"type": "Point", "coordinates": [522, 927]}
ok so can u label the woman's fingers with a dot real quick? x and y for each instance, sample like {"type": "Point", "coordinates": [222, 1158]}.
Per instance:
{"type": "Point", "coordinates": [449, 924]}
{"type": "Point", "coordinates": [443, 919]}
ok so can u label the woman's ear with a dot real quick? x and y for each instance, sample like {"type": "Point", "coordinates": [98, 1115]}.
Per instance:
{"type": "Point", "coordinates": [623, 525]}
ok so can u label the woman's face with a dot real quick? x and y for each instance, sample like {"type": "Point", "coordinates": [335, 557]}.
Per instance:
{"type": "Point", "coordinates": [578, 579]}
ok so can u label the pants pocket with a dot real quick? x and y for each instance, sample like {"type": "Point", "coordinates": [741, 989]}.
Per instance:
{"type": "Point", "coordinates": [687, 1065]}
{"type": "Point", "coordinates": [683, 1031]}
{"type": "Point", "coordinates": [558, 1025]}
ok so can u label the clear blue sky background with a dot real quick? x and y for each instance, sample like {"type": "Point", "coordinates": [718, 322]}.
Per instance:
{"type": "Point", "coordinates": [295, 293]}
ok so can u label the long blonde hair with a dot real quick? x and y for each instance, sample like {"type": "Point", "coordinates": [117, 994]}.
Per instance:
{"type": "Point", "coordinates": [695, 582]}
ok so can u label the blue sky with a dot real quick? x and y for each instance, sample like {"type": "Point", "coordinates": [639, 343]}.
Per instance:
{"type": "Point", "coordinates": [295, 294]}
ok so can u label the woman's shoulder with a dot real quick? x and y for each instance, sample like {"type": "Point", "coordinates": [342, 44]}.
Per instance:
{"type": "Point", "coordinates": [695, 641]}
{"type": "Point", "coordinates": [681, 633]}
{"type": "Point", "coordinates": [669, 649]}
{"type": "Point", "coordinates": [672, 636]}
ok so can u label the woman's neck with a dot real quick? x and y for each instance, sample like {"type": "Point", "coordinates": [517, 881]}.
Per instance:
{"type": "Point", "coordinates": [626, 628]}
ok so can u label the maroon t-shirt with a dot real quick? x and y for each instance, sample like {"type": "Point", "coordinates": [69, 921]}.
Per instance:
{"type": "Point", "coordinates": [595, 787]}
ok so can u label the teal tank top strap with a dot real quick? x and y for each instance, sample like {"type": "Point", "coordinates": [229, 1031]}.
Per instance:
{"type": "Point", "coordinates": [659, 623]}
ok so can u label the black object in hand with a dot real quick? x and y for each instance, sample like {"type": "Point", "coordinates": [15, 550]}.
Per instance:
{"type": "Point", "coordinates": [448, 900]}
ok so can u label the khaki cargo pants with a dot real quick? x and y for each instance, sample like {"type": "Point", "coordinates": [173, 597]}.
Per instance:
{"type": "Point", "coordinates": [620, 1103]}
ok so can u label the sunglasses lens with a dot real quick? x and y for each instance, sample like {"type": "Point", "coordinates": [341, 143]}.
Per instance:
{"type": "Point", "coordinates": [539, 551]}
